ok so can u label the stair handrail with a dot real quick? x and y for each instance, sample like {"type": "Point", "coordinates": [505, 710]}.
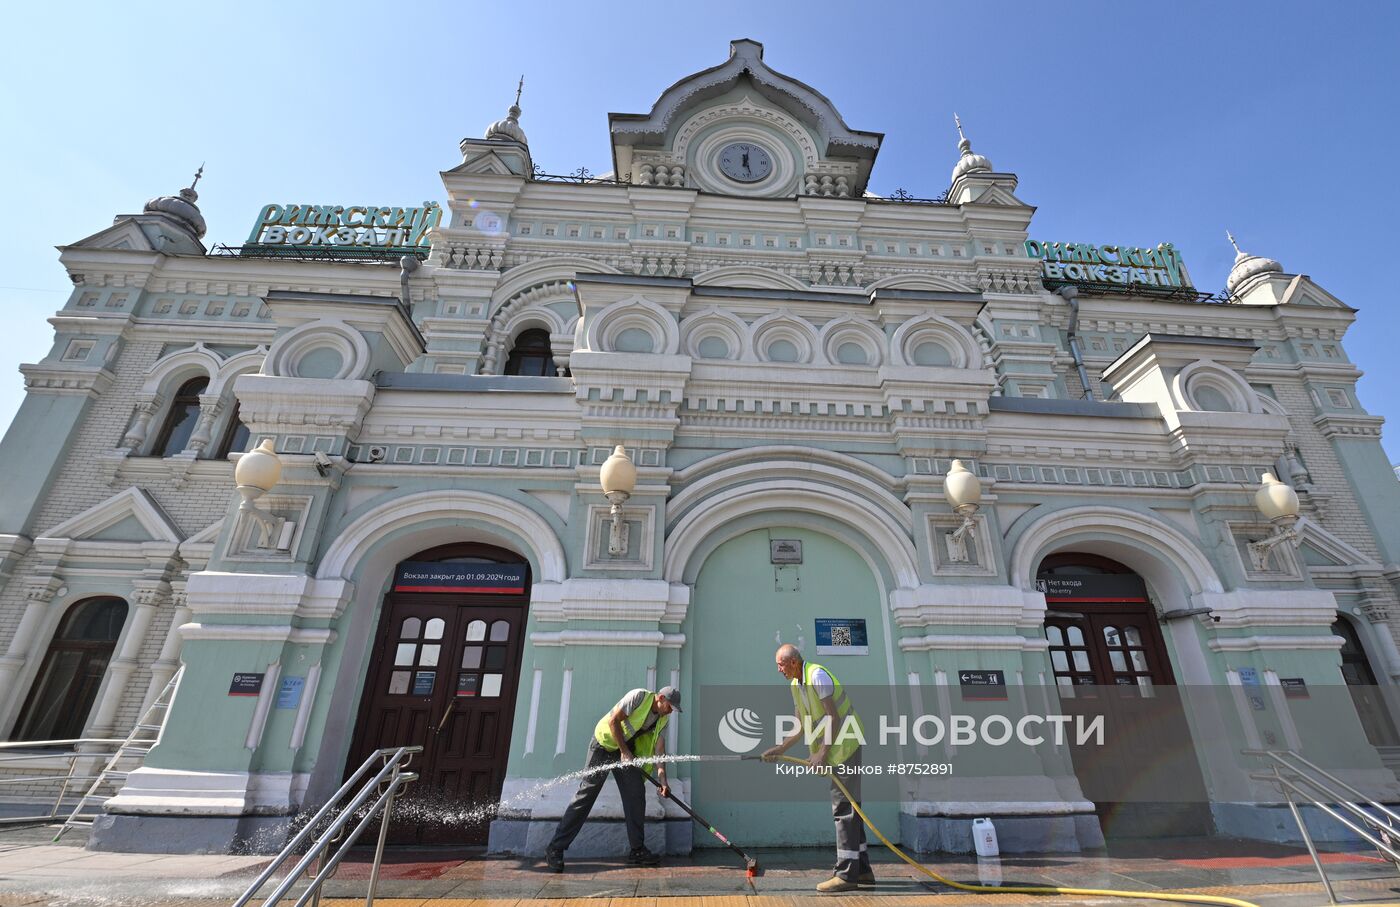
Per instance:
{"type": "Point", "coordinates": [394, 759]}
{"type": "Point", "coordinates": [1307, 786]}
{"type": "Point", "coordinates": [14, 752]}
{"type": "Point", "coordinates": [1390, 813]}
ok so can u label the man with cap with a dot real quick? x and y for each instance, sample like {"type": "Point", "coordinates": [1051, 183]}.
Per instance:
{"type": "Point", "coordinates": [630, 730]}
{"type": "Point", "coordinates": [817, 694]}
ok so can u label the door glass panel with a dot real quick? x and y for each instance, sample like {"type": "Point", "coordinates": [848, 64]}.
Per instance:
{"type": "Point", "coordinates": [1066, 687]}
{"type": "Point", "coordinates": [467, 684]}
{"type": "Point", "coordinates": [495, 658]}
{"type": "Point", "coordinates": [1132, 636]}
{"type": "Point", "coordinates": [1056, 637]}
{"type": "Point", "coordinates": [471, 657]}
{"type": "Point", "coordinates": [411, 625]}
{"type": "Point", "coordinates": [476, 631]}
{"type": "Point", "coordinates": [398, 683]}
{"type": "Point", "coordinates": [430, 656]}
{"type": "Point", "coordinates": [423, 682]}
{"type": "Point", "coordinates": [1139, 659]}
{"type": "Point", "coordinates": [1060, 661]}
{"type": "Point", "coordinates": [435, 628]}
{"type": "Point", "coordinates": [1075, 636]}
{"type": "Point", "coordinates": [1145, 685]}
{"type": "Point", "coordinates": [404, 654]}
{"type": "Point", "coordinates": [491, 684]}
{"type": "Point", "coordinates": [1111, 637]}
{"type": "Point", "coordinates": [1081, 660]}
{"type": "Point", "coordinates": [1118, 661]}
{"type": "Point", "coordinates": [63, 674]}
{"type": "Point", "coordinates": [500, 631]}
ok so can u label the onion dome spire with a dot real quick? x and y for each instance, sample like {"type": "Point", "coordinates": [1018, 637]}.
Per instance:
{"type": "Point", "coordinates": [182, 208]}
{"type": "Point", "coordinates": [1247, 266]}
{"type": "Point", "coordinates": [969, 162]}
{"type": "Point", "coordinates": [509, 129]}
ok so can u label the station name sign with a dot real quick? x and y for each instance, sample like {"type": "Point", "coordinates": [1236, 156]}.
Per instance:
{"type": "Point", "coordinates": [1123, 265]}
{"type": "Point", "coordinates": [365, 226]}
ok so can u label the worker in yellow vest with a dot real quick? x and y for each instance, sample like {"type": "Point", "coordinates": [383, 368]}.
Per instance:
{"type": "Point", "coordinates": [631, 730]}
{"type": "Point", "coordinates": [817, 694]}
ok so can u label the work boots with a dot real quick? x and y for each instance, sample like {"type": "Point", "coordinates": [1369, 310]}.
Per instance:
{"type": "Point", "coordinates": [835, 885]}
{"type": "Point", "coordinates": [642, 857]}
{"type": "Point", "coordinates": [554, 859]}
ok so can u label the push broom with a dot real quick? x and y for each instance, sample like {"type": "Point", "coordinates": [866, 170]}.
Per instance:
{"type": "Point", "coordinates": [750, 864]}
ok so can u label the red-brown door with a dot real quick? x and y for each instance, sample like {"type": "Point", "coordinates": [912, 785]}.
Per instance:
{"type": "Point", "coordinates": [444, 677]}
{"type": "Point", "coordinates": [1108, 658]}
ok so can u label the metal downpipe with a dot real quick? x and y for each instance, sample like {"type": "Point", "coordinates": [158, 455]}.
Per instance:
{"type": "Point", "coordinates": [1071, 295]}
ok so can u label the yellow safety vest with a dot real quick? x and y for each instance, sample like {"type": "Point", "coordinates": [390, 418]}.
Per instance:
{"type": "Point", "coordinates": [642, 745]}
{"type": "Point", "coordinates": [809, 705]}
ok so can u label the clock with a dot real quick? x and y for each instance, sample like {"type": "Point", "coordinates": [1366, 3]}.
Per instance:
{"type": "Point", "coordinates": [745, 162]}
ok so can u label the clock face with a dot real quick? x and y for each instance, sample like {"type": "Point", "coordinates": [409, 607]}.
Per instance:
{"type": "Point", "coordinates": [745, 162]}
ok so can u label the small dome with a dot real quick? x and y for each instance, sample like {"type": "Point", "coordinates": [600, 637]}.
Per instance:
{"type": "Point", "coordinates": [1247, 266]}
{"type": "Point", "coordinates": [181, 208]}
{"type": "Point", "coordinates": [508, 129]}
{"type": "Point", "coordinates": [969, 162]}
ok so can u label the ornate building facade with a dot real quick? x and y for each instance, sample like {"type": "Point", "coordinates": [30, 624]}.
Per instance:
{"type": "Point", "coordinates": [784, 357]}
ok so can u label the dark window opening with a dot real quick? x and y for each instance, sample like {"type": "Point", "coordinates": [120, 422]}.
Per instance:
{"type": "Point", "coordinates": [181, 418]}
{"type": "Point", "coordinates": [235, 435]}
{"type": "Point", "coordinates": [531, 355]}
{"type": "Point", "coordinates": [66, 685]}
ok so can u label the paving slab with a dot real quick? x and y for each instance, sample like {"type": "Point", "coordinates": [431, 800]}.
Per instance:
{"type": "Point", "coordinates": [34, 872]}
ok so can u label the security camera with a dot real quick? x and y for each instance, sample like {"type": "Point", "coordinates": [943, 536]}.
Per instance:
{"type": "Point", "coordinates": [323, 463]}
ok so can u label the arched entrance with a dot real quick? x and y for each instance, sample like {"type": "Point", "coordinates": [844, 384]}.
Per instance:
{"type": "Point", "coordinates": [1370, 699]}
{"type": "Point", "coordinates": [743, 606]}
{"type": "Point", "coordinates": [443, 674]}
{"type": "Point", "coordinates": [1107, 655]}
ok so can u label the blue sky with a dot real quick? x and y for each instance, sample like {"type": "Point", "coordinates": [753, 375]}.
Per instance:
{"type": "Point", "coordinates": [1126, 122]}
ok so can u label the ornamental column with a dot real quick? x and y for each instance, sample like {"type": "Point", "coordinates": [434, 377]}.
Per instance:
{"type": "Point", "coordinates": [146, 408]}
{"type": "Point", "coordinates": [38, 593]}
{"type": "Point", "coordinates": [209, 407]}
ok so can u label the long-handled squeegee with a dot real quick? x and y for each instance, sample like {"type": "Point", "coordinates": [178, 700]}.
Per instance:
{"type": "Point", "coordinates": [750, 864]}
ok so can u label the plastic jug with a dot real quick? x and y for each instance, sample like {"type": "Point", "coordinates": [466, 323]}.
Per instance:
{"type": "Point", "coordinates": [984, 838]}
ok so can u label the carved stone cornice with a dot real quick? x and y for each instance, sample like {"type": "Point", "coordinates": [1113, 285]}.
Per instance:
{"type": "Point", "coordinates": [66, 380]}
{"type": "Point", "coordinates": [1352, 427]}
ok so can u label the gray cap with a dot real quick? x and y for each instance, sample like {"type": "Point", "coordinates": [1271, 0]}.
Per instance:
{"type": "Point", "coordinates": [671, 695]}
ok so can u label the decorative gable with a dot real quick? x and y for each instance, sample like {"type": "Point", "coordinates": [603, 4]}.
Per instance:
{"type": "Point", "coordinates": [127, 516]}
{"type": "Point", "coordinates": [741, 128]}
{"type": "Point", "coordinates": [124, 234]}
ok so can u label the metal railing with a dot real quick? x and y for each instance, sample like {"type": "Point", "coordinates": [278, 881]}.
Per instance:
{"type": "Point", "coordinates": [24, 756]}
{"type": "Point", "coordinates": [1296, 776]}
{"type": "Point", "coordinates": [375, 798]}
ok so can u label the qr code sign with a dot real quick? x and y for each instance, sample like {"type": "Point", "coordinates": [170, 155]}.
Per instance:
{"type": "Point", "coordinates": [841, 636]}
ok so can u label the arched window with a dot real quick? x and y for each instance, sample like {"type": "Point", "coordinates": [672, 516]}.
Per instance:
{"type": "Point", "coordinates": [531, 355]}
{"type": "Point", "coordinates": [181, 418]}
{"type": "Point", "coordinates": [66, 686]}
{"type": "Point", "coordinates": [235, 435]}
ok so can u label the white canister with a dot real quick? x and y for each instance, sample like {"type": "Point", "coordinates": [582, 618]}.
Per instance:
{"type": "Point", "coordinates": [984, 838]}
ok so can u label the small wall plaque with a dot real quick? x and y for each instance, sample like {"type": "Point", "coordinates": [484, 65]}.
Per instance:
{"type": "Point", "coordinates": [785, 551]}
{"type": "Point", "coordinates": [245, 684]}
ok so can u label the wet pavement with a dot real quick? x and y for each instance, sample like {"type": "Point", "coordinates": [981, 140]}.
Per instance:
{"type": "Point", "coordinates": [34, 872]}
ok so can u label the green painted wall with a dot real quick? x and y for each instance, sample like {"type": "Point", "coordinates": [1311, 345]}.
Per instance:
{"type": "Point", "coordinates": [735, 617]}
{"type": "Point", "coordinates": [32, 453]}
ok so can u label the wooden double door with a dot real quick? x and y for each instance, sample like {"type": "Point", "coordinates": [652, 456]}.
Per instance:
{"type": "Point", "coordinates": [444, 676]}
{"type": "Point", "coordinates": [1109, 659]}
